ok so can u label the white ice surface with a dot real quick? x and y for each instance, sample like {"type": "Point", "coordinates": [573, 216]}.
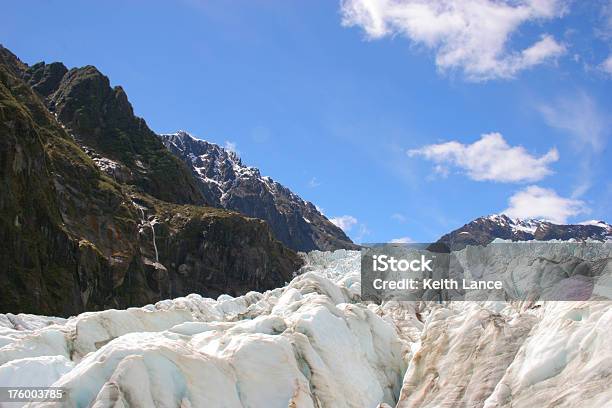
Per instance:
{"type": "Point", "coordinates": [314, 344]}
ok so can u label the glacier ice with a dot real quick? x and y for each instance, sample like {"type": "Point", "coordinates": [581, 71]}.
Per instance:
{"type": "Point", "coordinates": [313, 344]}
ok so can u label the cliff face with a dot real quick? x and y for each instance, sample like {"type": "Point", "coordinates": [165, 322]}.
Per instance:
{"type": "Point", "coordinates": [86, 187]}
{"type": "Point", "coordinates": [227, 183]}
{"type": "Point", "coordinates": [211, 248]}
{"type": "Point", "coordinates": [102, 119]}
{"type": "Point", "coordinates": [50, 196]}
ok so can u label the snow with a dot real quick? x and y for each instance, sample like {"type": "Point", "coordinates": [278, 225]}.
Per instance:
{"type": "Point", "coordinates": [601, 224]}
{"type": "Point", "coordinates": [596, 223]}
{"type": "Point", "coordinates": [529, 226]}
{"type": "Point", "coordinates": [34, 371]}
{"type": "Point", "coordinates": [285, 347]}
{"type": "Point", "coordinates": [313, 344]}
{"type": "Point", "coordinates": [567, 359]}
{"type": "Point", "coordinates": [223, 172]}
{"type": "Point", "coordinates": [24, 321]}
{"type": "Point", "coordinates": [106, 165]}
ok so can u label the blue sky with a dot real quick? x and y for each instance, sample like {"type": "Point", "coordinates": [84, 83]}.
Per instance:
{"type": "Point", "coordinates": [400, 120]}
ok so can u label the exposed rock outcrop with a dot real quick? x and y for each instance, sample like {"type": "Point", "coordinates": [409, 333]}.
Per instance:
{"type": "Point", "coordinates": [227, 183]}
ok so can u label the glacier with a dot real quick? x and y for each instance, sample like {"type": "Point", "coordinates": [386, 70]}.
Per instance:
{"type": "Point", "coordinates": [313, 343]}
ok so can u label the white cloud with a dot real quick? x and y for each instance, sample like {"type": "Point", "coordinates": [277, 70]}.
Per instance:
{"type": "Point", "coordinates": [589, 128]}
{"type": "Point", "coordinates": [313, 182]}
{"type": "Point", "coordinates": [441, 170]}
{"type": "Point", "coordinates": [596, 223]}
{"type": "Point", "coordinates": [402, 240]}
{"type": "Point", "coordinates": [490, 158]}
{"type": "Point", "coordinates": [399, 217]}
{"type": "Point", "coordinates": [605, 29]}
{"type": "Point", "coordinates": [539, 52]}
{"type": "Point", "coordinates": [348, 223]}
{"type": "Point", "coordinates": [579, 116]}
{"type": "Point", "coordinates": [231, 146]}
{"type": "Point", "coordinates": [362, 232]}
{"type": "Point", "coordinates": [344, 222]}
{"type": "Point", "coordinates": [538, 202]}
{"type": "Point", "coordinates": [470, 35]}
{"type": "Point", "coordinates": [606, 66]}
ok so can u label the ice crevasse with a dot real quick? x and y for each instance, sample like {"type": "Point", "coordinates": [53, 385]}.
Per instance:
{"type": "Point", "coordinates": [312, 343]}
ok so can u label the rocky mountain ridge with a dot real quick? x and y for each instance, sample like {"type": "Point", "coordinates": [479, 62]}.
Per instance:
{"type": "Point", "coordinates": [226, 182]}
{"type": "Point", "coordinates": [101, 119]}
{"type": "Point", "coordinates": [96, 213]}
{"type": "Point", "coordinates": [484, 230]}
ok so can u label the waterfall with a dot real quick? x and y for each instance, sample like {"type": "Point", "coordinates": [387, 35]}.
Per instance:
{"type": "Point", "coordinates": [154, 242]}
{"type": "Point", "coordinates": [145, 221]}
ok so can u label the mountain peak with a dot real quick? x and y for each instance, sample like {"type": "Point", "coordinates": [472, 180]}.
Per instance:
{"type": "Point", "coordinates": [484, 230]}
{"type": "Point", "coordinates": [227, 183]}
{"type": "Point", "coordinates": [182, 134]}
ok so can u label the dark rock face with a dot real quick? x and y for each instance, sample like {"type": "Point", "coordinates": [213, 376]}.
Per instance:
{"type": "Point", "coordinates": [210, 248]}
{"type": "Point", "coordinates": [102, 120]}
{"type": "Point", "coordinates": [484, 230]}
{"type": "Point", "coordinates": [49, 195]}
{"type": "Point", "coordinates": [76, 239]}
{"type": "Point", "coordinates": [11, 63]}
{"type": "Point", "coordinates": [45, 78]}
{"type": "Point", "coordinates": [225, 182]}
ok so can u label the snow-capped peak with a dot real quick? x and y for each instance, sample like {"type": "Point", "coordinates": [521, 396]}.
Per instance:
{"type": "Point", "coordinates": [529, 225]}
{"type": "Point", "coordinates": [486, 229]}
{"type": "Point", "coordinates": [597, 223]}
{"type": "Point", "coordinates": [226, 182]}
{"type": "Point", "coordinates": [180, 133]}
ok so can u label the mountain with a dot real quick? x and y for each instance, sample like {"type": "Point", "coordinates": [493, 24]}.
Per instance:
{"type": "Point", "coordinates": [226, 182]}
{"type": "Point", "coordinates": [100, 118]}
{"type": "Point", "coordinates": [96, 213]}
{"type": "Point", "coordinates": [484, 230]}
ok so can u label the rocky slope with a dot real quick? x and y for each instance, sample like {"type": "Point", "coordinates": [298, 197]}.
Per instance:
{"type": "Point", "coordinates": [227, 183]}
{"type": "Point", "coordinates": [101, 118]}
{"type": "Point", "coordinates": [313, 344]}
{"type": "Point", "coordinates": [484, 230]}
{"type": "Point", "coordinates": [96, 213]}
